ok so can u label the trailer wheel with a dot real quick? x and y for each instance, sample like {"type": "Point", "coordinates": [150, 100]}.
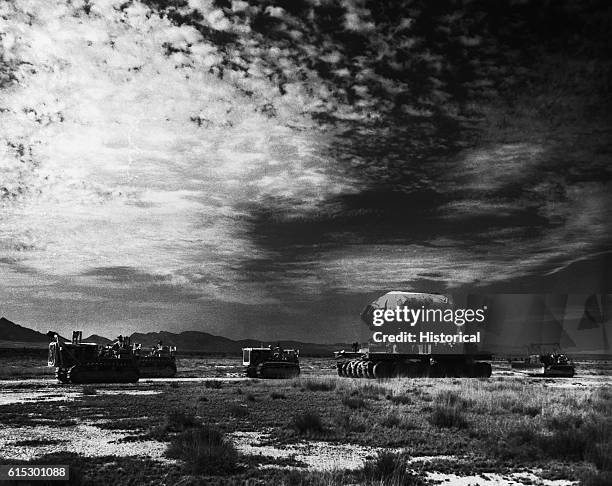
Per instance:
{"type": "Point", "coordinates": [382, 370]}
{"type": "Point", "coordinates": [360, 369]}
{"type": "Point", "coordinates": [377, 370]}
{"type": "Point", "coordinates": [368, 369]}
{"type": "Point", "coordinates": [345, 366]}
{"type": "Point", "coordinates": [349, 369]}
{"type": "Point", "coordinates": [399, 370]}
{"type": "Point", "coordinates": [437, 370]}
{"type": "Point", "coordinates": [412, 370]}
{"type": "Point", "coordinates": [455, 370]}
{"type": "Point", "coordinates": [482, 370]}
{"type": "Point", "coordinates": [355, 369]}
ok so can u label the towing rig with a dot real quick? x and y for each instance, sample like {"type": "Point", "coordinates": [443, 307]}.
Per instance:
{"type": "Point", "coordinates": [406, 359]}
{"type": "Point", "coordinates": [79, 362]}
{"type": "Point", "coordinates": [159, 362]}
{"type": "Point", "coordinates": [271, 362]}
{"type": "Point", "coordinates": [544, 363]}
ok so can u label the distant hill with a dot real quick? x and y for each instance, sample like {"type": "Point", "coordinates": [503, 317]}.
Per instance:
{"type": "Point", "coordinates": [9, 331]}
{"type": "Point", "coordinates": [95, 338]}
{"type": "Point", "coordinates": [189, 340]}
{"type": "Point", "coordinates": [14, 335]}
{"type": "Point", "coordinates": [209, 343]}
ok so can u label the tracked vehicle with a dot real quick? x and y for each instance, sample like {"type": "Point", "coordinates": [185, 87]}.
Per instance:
{"type": "Point", "coordinates": [159, 362]}
{"type": "Point", "coordinates": [387, 360]}
{"type": "Point", "coordinates": [545, 328]}
{"type": "Point", "coordinates": [271, 362]}
{"type": "Point", "coordinates": [538, 363]}
{"type": "Point", "coordinates": [78, 362]}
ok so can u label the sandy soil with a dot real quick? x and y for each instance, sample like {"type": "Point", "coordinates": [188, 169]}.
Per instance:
{"type": "Point", "coordinates": [496, 480]}
{"type": "Point", "coordinates": [93, 441]}
{"type": "Point", "coordinates": [87, 440]}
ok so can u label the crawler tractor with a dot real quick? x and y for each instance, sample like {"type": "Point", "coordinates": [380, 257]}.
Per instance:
{"type": "Point", "coordinates": [79, 362]}
{"type": "Point", "coordinates": [160, 362]}
{"type": "Point", "coordinates": [540, 363]}
{"type": "Point", "coordinates": [271, 362]}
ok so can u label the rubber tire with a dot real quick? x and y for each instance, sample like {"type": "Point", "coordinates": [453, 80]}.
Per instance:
{"type": "Point", "coordinates": [382, 370]}
{"type": "Point", "coordinates": [368, 367]}
{"type": "Point", "coordinates": [483, 370]}
{"type": "Point", "coordinates": [350, 369]}
{"type": "Point", "coordinates": [345, 366]}
{"type": "Point", "coordinates": [359, 369]}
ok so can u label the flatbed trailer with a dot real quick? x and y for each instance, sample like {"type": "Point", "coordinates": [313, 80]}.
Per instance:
{"type": "Point", "coordinates": [391, 365]}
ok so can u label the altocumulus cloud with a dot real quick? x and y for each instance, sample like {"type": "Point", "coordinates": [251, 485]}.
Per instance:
{"type": "Point", "coordinates": [118, 154]}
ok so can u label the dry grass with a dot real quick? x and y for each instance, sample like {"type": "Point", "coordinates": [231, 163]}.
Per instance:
{"type": "Point", "coordinates": [448, 416]}
{"type": "Point", "coordinates": [238, 410]}
{"type": "Point", "coordinates": [390, 469]}
{"type": "Point", "coordinates": [17, 366]}
{"type": "Point", "coordinates": [393, 419]}
{"type": "Point", "coordinates": [214, 384]}
{"type": "Point", "coordinates": [307, 423]}
{"type": "Point", "coordinates": [204, 449]}
{"type": "Point", "coordinates": [597, 478]}
{"type": "Point", "coordinates": [174, 421]}
{"type": "Point", "coordinates": [400, 399]}
{"type": "Point", "coordinates": [316, 384]}
{"type": "Point", "coordinates": [562, 424]}
{"type": "Point", "coordinates": [353, 402]}
{"type": "Point", "coordinates": [508, 423]}
{"type": "Point", "coordinates": [350, 422]}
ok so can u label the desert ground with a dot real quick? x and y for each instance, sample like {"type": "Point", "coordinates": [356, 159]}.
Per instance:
{"type": "Point", "coordinates": [210, 425]}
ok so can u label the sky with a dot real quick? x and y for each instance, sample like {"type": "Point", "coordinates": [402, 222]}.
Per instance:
{"type": "Point", "coordinates": [266, 169]}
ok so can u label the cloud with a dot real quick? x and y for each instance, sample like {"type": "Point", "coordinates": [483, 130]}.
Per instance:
{"type": "Point", "coordinates": [267, 157]}
{"type": "Point", "coordinates": [145, 165]}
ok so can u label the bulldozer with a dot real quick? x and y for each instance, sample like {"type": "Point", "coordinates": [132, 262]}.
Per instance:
{"type": "Point", "coordinates": [544, 360]}
{"type": "Point", "coordinates": [159, 362]}
{"type": "Point", "coordinates": [79, 362]}
{"type": "Point", "coordinates": [407, 359]}
{"type": "Point", "coordinates": [271, 362]}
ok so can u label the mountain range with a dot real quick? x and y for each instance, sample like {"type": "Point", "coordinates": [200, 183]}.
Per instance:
{"type": "Point", "coordinates": [9, 331]}
{"type": "Point", "coordinates": [12, 335]}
